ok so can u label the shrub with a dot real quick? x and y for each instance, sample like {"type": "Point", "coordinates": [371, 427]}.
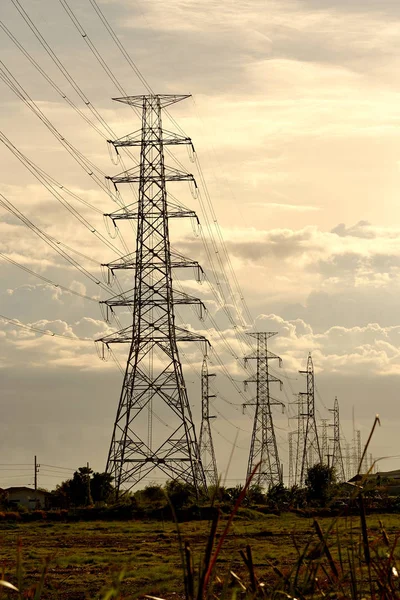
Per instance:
{"type": "Point", "coordinates": [12, 516]}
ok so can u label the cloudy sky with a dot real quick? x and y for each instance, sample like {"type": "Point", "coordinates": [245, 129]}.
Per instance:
{"type": "Point", "coordinates": [295, 118]}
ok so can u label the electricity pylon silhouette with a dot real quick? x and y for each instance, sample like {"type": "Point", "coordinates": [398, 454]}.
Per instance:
{"type": "Point", "coordinates": [291, 434]}
{"type": "Point", "coordinates": [301, 428]}
{"type": "Point", "coordinates": [324, 442]}
{"type": "Point", "coordinates": [311, 448]}
{"type": "Point", "coordinates": [263, 448]}
{"type": "Point", "coordinates": [337, 458]}
{"type": "Point", "coordinates": [206, 445]}
{"type": "Point", "coordinates": [154, 399]}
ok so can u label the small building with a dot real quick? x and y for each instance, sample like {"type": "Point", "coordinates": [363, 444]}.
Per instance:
{"type": "Point", "coordinates": [27, 497]}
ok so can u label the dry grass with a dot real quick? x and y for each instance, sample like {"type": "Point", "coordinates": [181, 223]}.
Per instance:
{"type": "Point", "coordinates": [286, 553]}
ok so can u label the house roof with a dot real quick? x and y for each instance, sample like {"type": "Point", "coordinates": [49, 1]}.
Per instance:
{"type": "Point", "coordinates": [385, 474]}
{"type": "Point", "coordinates": [25, 489]}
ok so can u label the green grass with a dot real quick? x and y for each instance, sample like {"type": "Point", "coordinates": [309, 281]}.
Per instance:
{"type": "Point", "coordinates": [85, 557]}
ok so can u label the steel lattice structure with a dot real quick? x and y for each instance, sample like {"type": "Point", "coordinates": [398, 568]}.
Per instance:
{"type": "Point", "coordinates": [337, 458]}
{"type": "Point", "coordinates": [263, 448]}
{"type": "Point", "coordinates": [311, 448]}
{"type": "Point", "coordinates": [206, 445]}
{"type": "Point", "coordinates": [153, 384]}
{"type": "Point", "coordinates": [301, 428]}
{"type": "Point", "coordinates": [324, 442]}
{"type": "Point", "coordinates": [291, 479]}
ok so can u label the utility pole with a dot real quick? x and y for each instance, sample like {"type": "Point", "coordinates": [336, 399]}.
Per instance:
{"type": "Point", "coordinates": [337, 458]}
{"type": "Point", "coordinates": [36, 471]}
{"type": "Point", "coordinates": [153, 384]}
{"type": "Point", "coordinates": [206, 445]}
{"type": "Point", "coordinates": [311, 448]}
{"type": "Point", "coordinates": [263, 448]}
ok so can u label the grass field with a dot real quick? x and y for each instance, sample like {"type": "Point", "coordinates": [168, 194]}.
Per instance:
{"type": "Point", "coordinates": [85, 557]}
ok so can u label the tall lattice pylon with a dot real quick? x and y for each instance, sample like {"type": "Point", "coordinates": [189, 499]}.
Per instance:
{"type": "Point", "coordinates": [154, 427]}
{"type": "Point", "coordinates": [324, 443]}
{"type": "Point", "coordinates": [291, 480]}
{"type": "Point", "coordinates": [311, 448]}
{"type": "Point", "coordinates": [263, 448]}
{"type": "Point", "coordinates": [206, 445]}
{"type": "Point", "coordinates": [357, 447]}
{"type": "Point", "coordinates": [337, 458]}
{"type": "Point", "coordinates": [301, 428]}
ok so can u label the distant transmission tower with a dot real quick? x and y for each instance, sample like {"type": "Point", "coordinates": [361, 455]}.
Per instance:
{"type": "Point", "coordinates": [324, 442]}
{"type": "Point", "coordinates": [263, 446]}
{"type": "Point", "coordinates": [301, 428]}
{"type": "Point", "coordinates": [311, 448]}
{"type": "Point", "coordinates": [349, 471]}
{"type": "Point", "coordinates": [337, 458]}
{"type": "Point", "coordinates": [291, 434]}
{"type": "Point", "coordinates": [206, 445]}
{"type": "Point", "coordinates": [358, 451]}
{"type": "Point", "coordinates": [153, 385]}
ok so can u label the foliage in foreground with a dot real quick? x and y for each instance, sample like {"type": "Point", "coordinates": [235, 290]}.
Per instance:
{"type": "Point", "coordinates": [327, 566]}
{"type": "Point", "coordinates": [333, 562]}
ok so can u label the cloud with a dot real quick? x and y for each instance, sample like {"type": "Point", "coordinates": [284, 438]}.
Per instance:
{"type": "Point", "coordinates": [283, 206]}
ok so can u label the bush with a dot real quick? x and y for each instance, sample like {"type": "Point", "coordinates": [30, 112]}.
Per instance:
{"type": "Point", "coordinates": [58, 515]}
{"type": "Point", "coordinates": [35, 515]}
{"type": "Point", "coordinates": [12, 516]}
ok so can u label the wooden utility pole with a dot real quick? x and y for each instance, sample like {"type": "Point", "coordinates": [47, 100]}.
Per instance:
{"type": "Point", "coordinates": [36, 470]}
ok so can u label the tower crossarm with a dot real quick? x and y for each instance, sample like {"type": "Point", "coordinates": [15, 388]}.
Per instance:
{"type": "Point", "coordinates": [124, 336]}
{"type": "Point", "coordinates": [168, 138]}
{"type": "Point", "coordinates": [153, 300]}
{"type": "Point", "coordinates": [177, 262]}
{"type": "Point", "coordinates": [271, 379]}
{"type": "Point", "coordinates": [142, 100]}
{"type": "Point", "coordinates": [268, 356]}
{"type": "Point", "coordinates": [153, 176]}
{"type": "Point", "coordinates": [174, 211]}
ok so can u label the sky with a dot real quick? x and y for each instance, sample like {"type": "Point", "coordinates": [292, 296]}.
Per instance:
{"type": "Point", "coordinates": [295, 118]}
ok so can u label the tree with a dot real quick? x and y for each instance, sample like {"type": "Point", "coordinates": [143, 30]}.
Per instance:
{"type": "Point", "coordinates": [319, 483]}
{"type": "Point", "coordinates": [80, 487]}
{"type": "Point", "coordinates": [255, 495]}
{"type": "Point", "coordinates": [75, 491]}
{"type": "Point", "coordinates": [278, 496]}
{"type": "Point", "coordinates": [179, 493]}
{"type": "Point", "coordinates": [153, 496]}
{"type": "Point", "coordinates": [101, 487]}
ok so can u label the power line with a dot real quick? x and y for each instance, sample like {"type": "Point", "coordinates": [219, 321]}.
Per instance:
{"type": "Point", "coordinates": [46, 280]}
{"type": "Point", "coordinates": [49, 240]}
{"type": "Point", "coordinates": [44, 331]}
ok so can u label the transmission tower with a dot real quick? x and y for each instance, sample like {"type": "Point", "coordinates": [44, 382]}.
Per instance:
{"type": "Point", "coordinates": [301, 428]}
{"type": "Point", "coordinates": [358, 451]}
{"type": "Point", "coordinates": [337, 458]}
{"type": "Point", "coordinates": [349, 472]}
{"type": "Point", "coordinates": [263, 448]}
{"type": "Point", "coordinates": [153, 384]}
{"type": "Point", "coordinates": [324, 441]}
{"type": "Point", "coordinates": [206, 445]}
{"type": "Point", "coordinates": [291, 434]}
{"type": "Point", "coordinates": [311, 448]}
